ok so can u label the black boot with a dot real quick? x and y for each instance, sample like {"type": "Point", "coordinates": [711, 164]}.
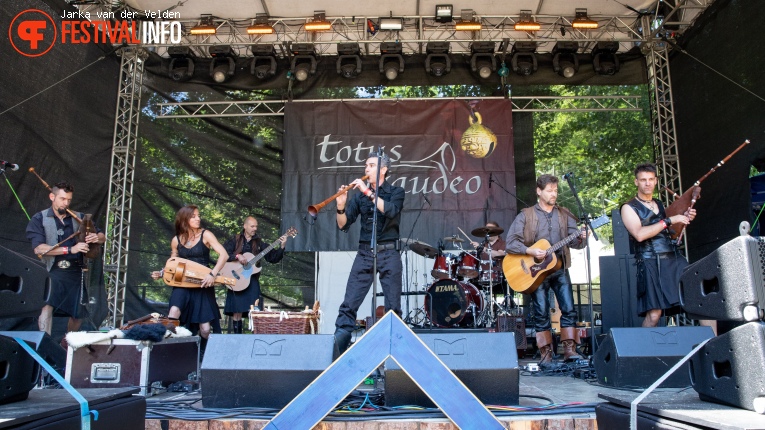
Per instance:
{"type": "Point", "coordinates": [237, 325]}
{"type": "Point", "coordinates": [342, 340]}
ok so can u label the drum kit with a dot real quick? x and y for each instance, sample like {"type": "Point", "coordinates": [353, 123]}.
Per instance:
{"type": "Point", "coordinates": [463, 284]}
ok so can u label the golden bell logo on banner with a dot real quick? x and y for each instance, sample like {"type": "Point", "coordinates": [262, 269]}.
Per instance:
{"type": "Point", "coordinates": [478, 141]}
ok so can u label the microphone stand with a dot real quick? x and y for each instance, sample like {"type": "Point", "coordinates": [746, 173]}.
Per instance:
{"type": "Point", "coordinates": [582, 215]}
{"type": "Point", "coordinates": [508, 192]}
{"type": "Point", "coordinates": [2, 172]}
{"type": "Point", "coordinates": [406, 262]}
{"type": "Point", "coordinates": [374, 238]}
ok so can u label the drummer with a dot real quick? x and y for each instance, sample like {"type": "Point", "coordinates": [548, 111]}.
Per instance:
{"type": "Point", "coordinates": [496, 245]}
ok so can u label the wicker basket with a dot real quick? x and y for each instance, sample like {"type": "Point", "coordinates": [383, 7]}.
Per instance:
{"type": "Point", "coordinates": [267, 322]}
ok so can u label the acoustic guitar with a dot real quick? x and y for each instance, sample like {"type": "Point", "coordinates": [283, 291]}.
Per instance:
{"type": "Point", "coordinates": [525, 273]}
{"type": "Point", "coordinates": [241, 273]}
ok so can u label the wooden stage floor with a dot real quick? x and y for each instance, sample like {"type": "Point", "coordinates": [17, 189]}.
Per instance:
{"type": "Point", "coordinates": [534, 391]}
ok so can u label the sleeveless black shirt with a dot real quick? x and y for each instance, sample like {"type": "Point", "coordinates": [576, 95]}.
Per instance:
{"type": "Point", "coordinates": [659, 244]}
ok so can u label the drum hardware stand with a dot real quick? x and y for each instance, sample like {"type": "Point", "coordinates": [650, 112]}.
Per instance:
{"type": "Point", "coordinates": [406, 248]}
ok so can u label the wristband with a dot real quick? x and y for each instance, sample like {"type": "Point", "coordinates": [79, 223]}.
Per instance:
{"type": "Point", "coordinates": [665, 224]}
{"type": "Point", "coordinates": [668, 221]}
{"type": "Point", "coordinates": [65, 249]}
{"type": "Point", "coordinates": [368, 192]}
{"type": "Point", "coordinates": [340, 211]}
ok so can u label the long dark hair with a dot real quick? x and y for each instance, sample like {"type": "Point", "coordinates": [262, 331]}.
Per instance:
{"type": "Point", "coordinates": [182, 227]}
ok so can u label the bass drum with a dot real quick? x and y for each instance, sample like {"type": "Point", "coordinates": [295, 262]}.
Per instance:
{"type": "Point", "coordinates": [452, 303]}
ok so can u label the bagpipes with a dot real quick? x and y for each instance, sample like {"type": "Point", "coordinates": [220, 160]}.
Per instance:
{"type": "Point", "coordinates": [684, 203]}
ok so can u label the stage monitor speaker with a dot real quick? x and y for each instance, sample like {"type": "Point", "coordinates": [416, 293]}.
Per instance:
{"type": "Point", "coordinates": [727, 285]}
{"type": "Point", "coordinates": [18, 371]}
{"type": "Point", "coordinates": [261, 370]}
{"type": "Point", "coordinates": [487, 363]}
{"type": "Point", "coordinates": [24, 285]}
{"type": "Point", "coordinates": [618, 280]}
{"type": "Point", "coordinates": [637, 357]}
{"type": "Point", "coordinates": [730, 368]}
{"type": "Point", "coordinates": [53, 353]}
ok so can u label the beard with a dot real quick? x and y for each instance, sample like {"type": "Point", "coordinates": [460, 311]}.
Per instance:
{"type": "Point", "coordinates": [61, 211]}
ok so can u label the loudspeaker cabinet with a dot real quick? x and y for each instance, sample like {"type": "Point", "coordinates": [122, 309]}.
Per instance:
{"type": "Point", "coordinates": [132, 363]}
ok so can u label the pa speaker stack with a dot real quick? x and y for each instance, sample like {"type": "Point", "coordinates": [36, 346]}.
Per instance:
{"type": "Point", "coordinates": [727, 285]}
{"type": "Point", "coordinates": [24, 287]}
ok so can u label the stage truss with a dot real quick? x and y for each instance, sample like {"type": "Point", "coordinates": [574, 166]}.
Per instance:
{"type": "Point", "coordinates": [628, 31]}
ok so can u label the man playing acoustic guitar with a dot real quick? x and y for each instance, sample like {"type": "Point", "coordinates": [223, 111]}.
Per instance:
{"type": "Point", "coordinates": [546, 220]}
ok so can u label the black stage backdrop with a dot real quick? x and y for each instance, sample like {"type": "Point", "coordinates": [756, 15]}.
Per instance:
{"type": "Point", "coordinates": [714, 116]}
{"type": "Point", "coordinates": [327, 143]}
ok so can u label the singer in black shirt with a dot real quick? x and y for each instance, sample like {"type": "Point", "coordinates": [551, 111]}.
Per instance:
{"type": "Point", "coordinates": [389, 205]}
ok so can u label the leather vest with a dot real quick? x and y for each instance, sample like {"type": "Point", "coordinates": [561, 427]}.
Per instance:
{"type": "Point", "coordinates": [659, 244]}
{"type": "Point", "coordinates": [531, 227]}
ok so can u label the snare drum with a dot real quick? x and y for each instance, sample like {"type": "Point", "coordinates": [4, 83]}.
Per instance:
{"type": "Point", "coordinates": [468, 266]}
{"type": "Point", "coordinates": [444, 267]}
{"type": "Point", "coordinates": [450, 303]}
{"type": "Point", "coordinates": [496, 277]}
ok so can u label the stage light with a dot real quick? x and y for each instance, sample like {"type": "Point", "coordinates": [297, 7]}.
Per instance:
{"type": "Point", "coordinates": [582, 21]}
{"type": "Point", "coordinates": [482, 61]}
{"type": "Point", "coordinates": [303, 62]}
{"type": "Point", "coordinates": [348, 59]}
{"type": "Point", "coordinates": [222, 72]}
{"type": "Point", "coordinates": [527, 23]}
{"type": "Point", "coordinates": [604, 59]}
{"type": "Point", "coordinates": [184, 56]}
{"type": "Point", "coordinates": [263, 61]}
{"type": "Point", "coordinates": [391, 60]}
{"type": "Point", "coordinates": [261, 25]}
{"type": "Point", "coordinates": [444, 12]}
{"type": "Point", "coordinates": [391, 24]}
{"type": "Point", "coordinates": [467, 21]}
{"type": "Point", "coordinates": [437, 63]}
{"type": "Point", "coordinates": [565, 60]}
{"type": "Point", "coordinates": [205, 26]}
{"type": "Point", "coordinates": [524, 59]}
{"type": "Point", "coordinates": [319, 22]}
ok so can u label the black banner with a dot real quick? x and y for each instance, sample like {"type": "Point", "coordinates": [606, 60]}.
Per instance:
{"type": "Point", "coordinates": [437, 151]}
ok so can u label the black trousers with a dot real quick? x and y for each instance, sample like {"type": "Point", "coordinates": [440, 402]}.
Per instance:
{"type": "Point", "coordinates": [560, 283]}
{"type": "Point", "coordinates": [360, 280]}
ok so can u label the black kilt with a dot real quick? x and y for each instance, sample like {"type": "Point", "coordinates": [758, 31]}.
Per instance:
{"type": "Point", "coordinates": [197, 305]}
{"type": "Point", "coordinates": [65, 294]}
{"type": "Point", "coordinates": [658, 283]}
{"type": "Point", "coordinates": [240, 301]}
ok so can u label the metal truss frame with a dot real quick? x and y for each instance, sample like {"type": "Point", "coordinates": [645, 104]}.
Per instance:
{"type": "Point", "coordinates": [120, 199]}
{"type": "Point", "coordinates": [276, 107]}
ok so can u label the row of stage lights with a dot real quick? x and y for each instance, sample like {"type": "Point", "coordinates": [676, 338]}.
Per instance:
{"type": "Point", "coordinates": [443, 14]}
{"type": "Point", "coordinates": [483, 60]}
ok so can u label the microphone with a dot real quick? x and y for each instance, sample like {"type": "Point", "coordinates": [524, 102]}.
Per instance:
{"type": "Point", "coordinates": [568, 175]}
{"type": "Point", "coordinates": [489, 179]}
{"type": "Point", "coordinates": [426, 199]}
{"type": "Point", "coordinates": [9, 166]}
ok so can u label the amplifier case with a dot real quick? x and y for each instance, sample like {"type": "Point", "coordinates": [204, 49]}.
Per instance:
{"type": "Point", "coordinates": [132, 363]}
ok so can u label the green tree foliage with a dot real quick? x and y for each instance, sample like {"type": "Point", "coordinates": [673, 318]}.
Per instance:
{"type": "Point", "coordinates": [601, 148]}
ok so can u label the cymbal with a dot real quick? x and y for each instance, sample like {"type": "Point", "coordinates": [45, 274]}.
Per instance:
{"type": "Point", "coordinates": [484, 231]}
{"type": "Point", "coordinates": [423, 249]}
{"type": "Point", "coordinates": [453, 239]}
